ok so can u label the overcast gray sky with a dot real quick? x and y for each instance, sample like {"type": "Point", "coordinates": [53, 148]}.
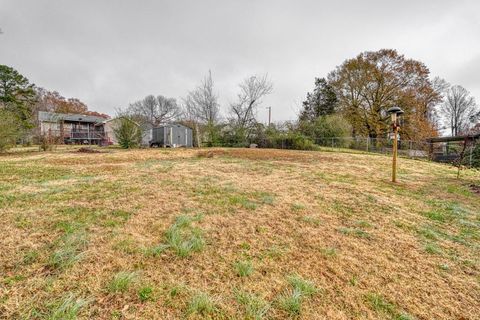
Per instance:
{"type": "Point", "coordinates": [112, 52]}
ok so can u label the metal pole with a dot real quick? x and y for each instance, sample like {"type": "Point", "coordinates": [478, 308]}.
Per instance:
{"type": "Point", "coordinates": [269, 115]}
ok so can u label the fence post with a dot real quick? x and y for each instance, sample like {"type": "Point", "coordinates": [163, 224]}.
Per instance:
{"type": "Point", "coordinates": [368, 141]}
{"type": "Point", "coordinates": [471, 153]}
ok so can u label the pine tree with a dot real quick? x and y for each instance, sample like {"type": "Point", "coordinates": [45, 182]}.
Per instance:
{"type": "Point", "coordinates": [322, 101]}
{"type": "Point", "coordinates": [17, 94]}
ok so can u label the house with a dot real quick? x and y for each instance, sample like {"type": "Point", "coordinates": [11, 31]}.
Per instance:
{"type": "Point", "coordinates": [72, 128]}
{"type": "Point", "coordinates": [172, 136]}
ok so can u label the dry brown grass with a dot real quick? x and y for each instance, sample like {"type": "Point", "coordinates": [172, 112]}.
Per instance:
{"type": "Point", "coordinates": [373, 249]}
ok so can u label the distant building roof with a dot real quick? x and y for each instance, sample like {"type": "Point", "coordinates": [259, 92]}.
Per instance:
{"type": "Point", "coordinates": [54, 117]}
{"type": "Point", "coordinates": [455, 138]}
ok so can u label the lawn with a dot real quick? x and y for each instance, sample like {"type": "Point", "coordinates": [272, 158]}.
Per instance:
{"type": "Point", "coordinates": [236, 234]}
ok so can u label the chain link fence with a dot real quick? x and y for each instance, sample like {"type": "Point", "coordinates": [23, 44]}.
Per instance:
{"type": "Point", "coordinates": [448, 152]}
{"type": "Point", "coordinates": [407, 148]}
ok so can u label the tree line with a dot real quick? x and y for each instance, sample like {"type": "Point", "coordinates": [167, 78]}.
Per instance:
{"type": "Point", "coordinates": [351, 100]}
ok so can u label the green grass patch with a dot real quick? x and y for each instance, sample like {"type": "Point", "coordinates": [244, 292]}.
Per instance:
{"type": "Point", "coordinates": [306, 287]}
{"type": "Point", "coordinates": [297, 206]}
{"type": "Point", "coordinates": [183, 238]}
{"type": "Point", "coordinates": [311, 220]}
{"type": "Point", "coordinates": [145, 293]}
{"type": "Point", "coordinates": [291, 300]}
{"type": "Point", "coordinates": [122, 281]}
{"type": "Point", "coordinates": [67, 308]}
{"type": "Point", "coordinates": [228, 197]}
{"type": "Point", "coordinates": [253, 306]}
{"type": "Point", "coordinates": [356, 232]}
{"type": "Point", "coordinates": [201, 304]}
{"type": "Point", "coordinates": [432, 248]}
{"type": "Point", "coordinates": [243, 268]}
{"type": "Point", "coordinates": [69, 249]}
{"type": "Point", "coordinates": [384, 307]}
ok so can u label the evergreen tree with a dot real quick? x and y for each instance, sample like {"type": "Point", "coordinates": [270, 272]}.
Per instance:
{"type": "Point", "coordinates": [17, 94]}
{"type": "Point", "coordinates": [321, 102]}
{"type": "Point", "coordinates": [128, 133]}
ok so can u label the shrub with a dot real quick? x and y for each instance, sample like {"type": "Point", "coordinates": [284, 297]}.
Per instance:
{"type": "Point", "coordinates": [128, 133]}
{"type": "Point", "coordinates": [47, 141]}
{"type": "Point", "coordinates": [329, 126]}
{"type": "Point", "coordinates": [476, 156]}
{"type": "Point", "coordinates": [291, 140]}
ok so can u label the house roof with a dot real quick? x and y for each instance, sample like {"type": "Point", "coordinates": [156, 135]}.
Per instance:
{"type": "Point", "coordinates": [55, 117]}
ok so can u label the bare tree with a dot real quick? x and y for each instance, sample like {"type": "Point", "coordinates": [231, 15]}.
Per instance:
{"type": "Point", "coordinates": [202, 107]}
{"type": "Point", "coordinates": [203, 102]}
{"type": "Point", "coordinates": [155, 111]}
{"type": "Point", "coordinates": [252, 90]}
{"type": "Point", "coordinates": [458, 109]}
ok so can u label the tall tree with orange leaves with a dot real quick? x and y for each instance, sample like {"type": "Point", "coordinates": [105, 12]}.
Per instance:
{"type": "Point", "coordinates": [367, 85]}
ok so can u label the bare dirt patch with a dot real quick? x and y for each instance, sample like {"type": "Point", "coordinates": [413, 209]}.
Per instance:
{"type": "Point", "coordinates": [88, 150]}
{"type": "Point", "coordinates": [475, 188]}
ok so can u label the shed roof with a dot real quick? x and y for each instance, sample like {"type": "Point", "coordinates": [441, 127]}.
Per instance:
{"type": "Point", "coordinates": [54, 117]}
{"type": "Point", "coordinates": [173, 125]}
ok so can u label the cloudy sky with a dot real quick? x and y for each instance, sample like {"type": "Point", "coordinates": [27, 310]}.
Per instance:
{"type": "Point", "coordinates": [112, 52]}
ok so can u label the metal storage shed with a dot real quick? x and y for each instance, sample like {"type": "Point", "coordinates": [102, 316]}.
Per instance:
{"type": "Point", "coordinates": [171, 136]}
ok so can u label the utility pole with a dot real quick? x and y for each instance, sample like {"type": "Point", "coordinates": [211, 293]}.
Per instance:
{"type": "Point", "coordinates": [395, 150]}
{"type": "Point", "coordinates": [269, 115]}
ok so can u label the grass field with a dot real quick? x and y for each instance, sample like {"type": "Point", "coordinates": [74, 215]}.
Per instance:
{"type": "Point", "coordinates": [236, 234]}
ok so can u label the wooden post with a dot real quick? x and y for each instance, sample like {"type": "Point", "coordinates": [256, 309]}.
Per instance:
{"type": "Point", "coordinates": [471, 152]}
{"type": "Point", "coordinates": [394, 162]}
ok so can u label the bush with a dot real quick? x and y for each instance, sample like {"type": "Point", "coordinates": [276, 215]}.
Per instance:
{"type": "Point", "coordinates": [476, 156]}
{"type": "Point", "coordinates": [47, 141]}
{"type": "Point", "coordinates": [294, 141]}
{"type": "Point", "coordinates": [274, 138]}
{"type": "Point", "coordinates": [128, 133]}
{"type": "Point", "coordinates": [330, 126]}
